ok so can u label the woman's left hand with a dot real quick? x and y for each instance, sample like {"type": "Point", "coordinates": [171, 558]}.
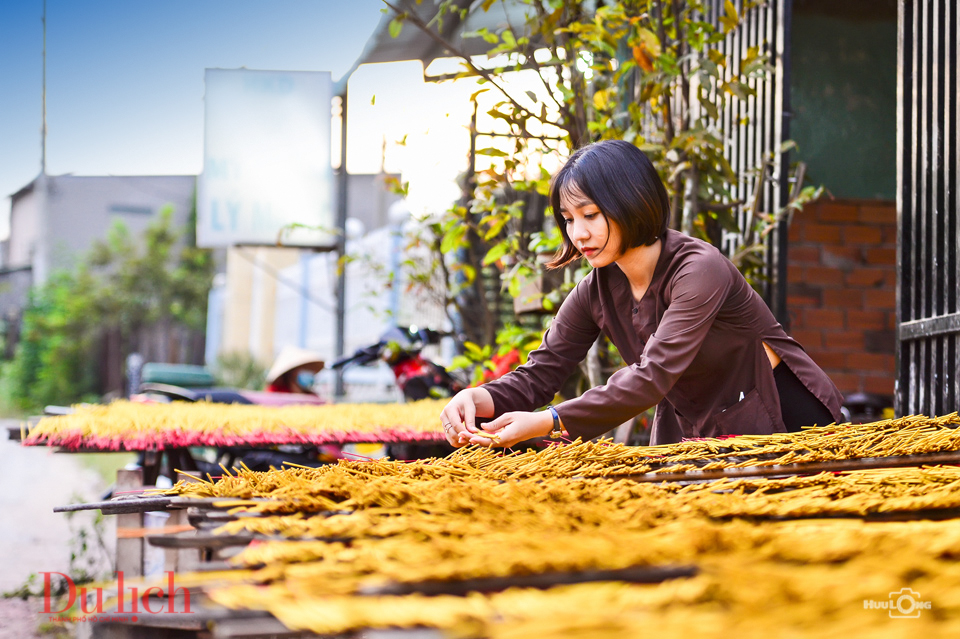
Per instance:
{"type": "Point", "coordinates": [511, 428]}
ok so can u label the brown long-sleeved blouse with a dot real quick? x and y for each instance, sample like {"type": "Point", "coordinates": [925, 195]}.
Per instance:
{"type": "Point", "coordinates": [693, 344]}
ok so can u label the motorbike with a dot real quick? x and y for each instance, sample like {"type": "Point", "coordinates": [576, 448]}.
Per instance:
{"type": "Point", "coordinates": [417, 377]}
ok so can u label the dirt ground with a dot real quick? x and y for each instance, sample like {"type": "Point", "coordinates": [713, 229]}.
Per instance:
{"type": "Point", "coordinates": [33, 538]}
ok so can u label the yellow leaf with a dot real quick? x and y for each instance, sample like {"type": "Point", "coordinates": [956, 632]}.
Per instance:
{"type": "Point", "coordinates": [642, 60]}
{"type": "Point", "coordinates": [600, 99]}
{"type": "Point", "coordinates": [650, 41]}
{"type": "Point", "coordinates": [730, 19]}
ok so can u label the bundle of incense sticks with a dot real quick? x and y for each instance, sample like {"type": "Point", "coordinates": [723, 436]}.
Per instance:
{"type": "Point", "coordinates": [445, 530]}
{"type": "Point", "coordinates": [125, 425]}
{"type": "Point", "coordinates": [357, 533]}
{"type": "Point", "coordinates": [901, 437]}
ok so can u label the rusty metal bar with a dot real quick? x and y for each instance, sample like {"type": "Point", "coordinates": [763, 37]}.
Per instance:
{"type": "Point", "coordinates": [950, 458]}
{"type": "Point", "coordinates": [636, 574]}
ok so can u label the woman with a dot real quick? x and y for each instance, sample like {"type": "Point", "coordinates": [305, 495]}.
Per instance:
{"type": "Point", "coordinates": [700, 343]}
{"type": "Point", "coordinates": [294, 371]}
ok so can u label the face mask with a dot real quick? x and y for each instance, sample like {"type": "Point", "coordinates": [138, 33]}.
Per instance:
{"type": "Point", "coordinates": [305, 379]}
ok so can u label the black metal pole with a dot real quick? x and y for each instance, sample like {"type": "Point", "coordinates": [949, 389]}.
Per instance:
{"type": "Point", "coordinates": [905, 198]}
{"type": "Point", "coordinates": [341, 241]}
{"type": "Point", "coordinates": [780, 294]}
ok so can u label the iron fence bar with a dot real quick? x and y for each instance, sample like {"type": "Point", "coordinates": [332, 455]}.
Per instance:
{"type": "Point", "coordinates": [780, 190]}
{"type": "Point", "coordinates": [904, 17]}
{"type": "Point", "coordinates": [765, 27]}
{"type": "Point", "coordinates": [924, 204]}
{"type": "Point", "coordinates": [930, 327]}
{"type": "Point", "coordinates": [936, 141]}
{"type": "Point", "coordinates": [946, 184]}
{"type": "Point", "coordinates": [936, 208]}
{"type": "Point", "coordinates": [954, 231]}
{"type": "Point", "coordinates": [928, 286]}
{"type": "Point", "coordinates": [916, 167]}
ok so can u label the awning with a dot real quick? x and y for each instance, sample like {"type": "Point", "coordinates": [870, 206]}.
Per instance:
{"type": "Point", "coordinates": [413, 44]}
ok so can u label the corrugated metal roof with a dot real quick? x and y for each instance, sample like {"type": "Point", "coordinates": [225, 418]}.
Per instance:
{"type": "Point", "coordinates": [413, 44]}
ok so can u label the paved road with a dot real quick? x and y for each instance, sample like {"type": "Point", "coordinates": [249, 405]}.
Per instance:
{"type": "Point", "coordinates": [32, 537]}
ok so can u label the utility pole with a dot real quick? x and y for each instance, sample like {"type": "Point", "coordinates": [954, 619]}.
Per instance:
{"type": "Point", "coordinates": [38, 261]}
{"type": "Point", "coordinates": [43, 127]}
{"type": "Point", "coordinates": [341, 243]}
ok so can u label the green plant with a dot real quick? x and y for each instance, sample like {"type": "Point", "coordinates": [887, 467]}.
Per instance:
{"type": "Point", "coordinates": [647, 71]}
{"type": "Point", "coordinates": [89, 561]}
{"type": "Point", "coordinates": [239, 369]}
{"type": "Point", "coordinates": [89, 557]}
{"type": "Point", "coordinates": [31, 588]}
{"type": "Point", "coordinates": [53, 362]}
{"type": "Point", "coordinates": [121, 287]}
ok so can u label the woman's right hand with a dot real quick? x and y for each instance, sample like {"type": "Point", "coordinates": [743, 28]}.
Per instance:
{"type": "Point", "coordinates": [460, 414]}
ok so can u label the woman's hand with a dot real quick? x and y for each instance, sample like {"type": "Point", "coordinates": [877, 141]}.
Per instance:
{"type": "Point", "coordinates": [511, 428]}
{"type": "Point", "coordinates": [459, 416]}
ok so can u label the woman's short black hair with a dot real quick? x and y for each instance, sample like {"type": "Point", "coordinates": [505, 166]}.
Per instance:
{"type": "Point", "coordinates": [620, 179]}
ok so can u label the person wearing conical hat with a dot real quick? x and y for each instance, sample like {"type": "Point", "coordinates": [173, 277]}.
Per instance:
{"type": "Point", "coordinates": [294, 371]}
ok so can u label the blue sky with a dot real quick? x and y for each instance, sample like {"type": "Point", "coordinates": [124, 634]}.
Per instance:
{"type": "Point", "coordinates": [125, 78]}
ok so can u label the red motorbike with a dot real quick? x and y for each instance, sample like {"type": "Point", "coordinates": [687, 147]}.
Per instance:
{"type": "Point", "coordinates": [417, 377]}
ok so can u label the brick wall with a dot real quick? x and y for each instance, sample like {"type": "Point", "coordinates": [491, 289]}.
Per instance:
{"type": "Point", "coordinates": [841, 294]}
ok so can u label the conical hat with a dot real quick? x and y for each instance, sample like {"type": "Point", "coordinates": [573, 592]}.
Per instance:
{"type": "Point", "coordinates": [292, 357]}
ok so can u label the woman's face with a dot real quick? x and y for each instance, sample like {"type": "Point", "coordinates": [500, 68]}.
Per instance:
{"type": "Point", "coordinates": [588, 228]}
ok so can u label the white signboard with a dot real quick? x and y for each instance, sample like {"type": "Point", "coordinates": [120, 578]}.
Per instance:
{"type": "Point", "coordinates": [266, 159]}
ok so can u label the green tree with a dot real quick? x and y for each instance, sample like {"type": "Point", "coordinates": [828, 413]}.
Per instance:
{"type": "Point", "coordinates": [646, 71]}
{"type": "Point", "coordinates": [121, 285]}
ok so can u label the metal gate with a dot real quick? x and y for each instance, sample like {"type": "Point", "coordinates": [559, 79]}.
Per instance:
{"type": "Point", "coordinates": [928, 287]}
{"type": "Point", "coordinates": [759, 125]}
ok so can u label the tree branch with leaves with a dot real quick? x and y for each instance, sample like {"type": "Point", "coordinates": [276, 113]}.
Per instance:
{"type": "Point", "coordinates": [658, 73]}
